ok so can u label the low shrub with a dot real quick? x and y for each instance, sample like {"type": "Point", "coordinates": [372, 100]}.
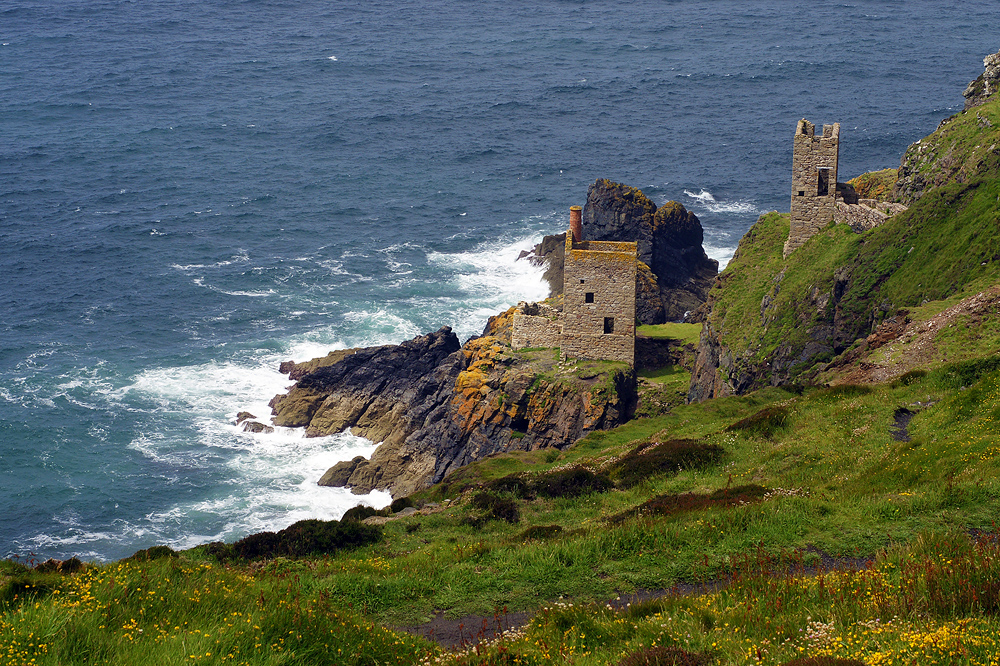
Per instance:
{"type": "Point", "coordinates": [493, 507]}
{"type": "Point", "coordinates": [656, 459]}
{"type": "Point", "coordinates": [513, 484]}
{"type": "Point", "coordinates": [765, 423]}
{"type": "Point", "coordinates": [665, 505]}
{"type": "Point", "coordinates": [400, 504]}
{"type": "Point", "coordinates": [664, 656]}
{"type": "Point", "coordinates": [24, 587]}
{"type": "Point", "coordinates": [154, 553]}
{"type": "Point", "coordinates": [823, 661]}
{"type": "Point", "coordinates": [911, 377]}
{"type": "Point", "coordinates": [306, 537]}
{"type": "Point", "coordinates": [571, 482]}
{"type": "Point", "coordinates": [360, 512]}
{"type": "Point", "coordinates": [844, 391]}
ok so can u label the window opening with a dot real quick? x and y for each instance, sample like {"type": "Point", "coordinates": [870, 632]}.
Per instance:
{"type": "Point", "coordinates": [609, 325]}
{"type": "Point", "coordinates": [588, 297]}
{"type": "Point", "coordinates": [823, 184]}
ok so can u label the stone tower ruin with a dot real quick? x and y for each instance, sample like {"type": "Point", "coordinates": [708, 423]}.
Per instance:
{"type": "Point", "coordinates": [814, 182]}
{"type": "Point", "coordinates": [598, 317]}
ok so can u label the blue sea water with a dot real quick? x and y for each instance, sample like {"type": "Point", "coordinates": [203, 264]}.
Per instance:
{"type": "Point", "coordinates": [191, 192]}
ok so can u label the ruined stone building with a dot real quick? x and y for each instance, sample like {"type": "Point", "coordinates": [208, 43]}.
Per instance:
{"type": "Point", "coordinates": [817, 197]}
{"type": "Point", "coordinates": [814, 182]}
{"type": "Point", "coordinates": [598, 317]}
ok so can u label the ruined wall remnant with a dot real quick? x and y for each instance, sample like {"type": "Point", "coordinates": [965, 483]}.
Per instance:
{"type": "Point", "coordinates": [814, 182]}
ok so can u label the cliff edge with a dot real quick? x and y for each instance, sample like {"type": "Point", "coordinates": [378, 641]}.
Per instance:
{"type": "Point", "coordinates": [435, 405]}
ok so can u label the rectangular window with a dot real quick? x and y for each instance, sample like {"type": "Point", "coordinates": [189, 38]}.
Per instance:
{"type": "Point", "coordinates": [823, 183]}
{"type": "Point", "coordinates": [802, 193]}
{"type": "Point", "coordinates": [609, 325]}
{"type": "Point", "coordinates": [588, 297]}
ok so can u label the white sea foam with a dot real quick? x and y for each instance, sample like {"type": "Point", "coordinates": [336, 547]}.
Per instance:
{"type": "Point", "coordinates": [489, 278]}
{"type": "Point", "coordinates": [707, 200]}
{"type": "Point", "coordinates": [272, 476]}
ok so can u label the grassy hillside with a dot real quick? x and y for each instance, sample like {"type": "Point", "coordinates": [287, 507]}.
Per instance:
{"type": "Point", "coordinates": [740, 488]}
{"type": "Point", "coordinates": [778, 319]}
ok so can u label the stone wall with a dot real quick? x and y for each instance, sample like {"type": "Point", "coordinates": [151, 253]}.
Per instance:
{"type": "Point", "coordinates": [814, 182]}
{"type": "Point", "coordinates": [599, 300]}
{"type": "Point", "coordinates": [866, 214]}
{"type": "Point", "coordinates": [535, 331]}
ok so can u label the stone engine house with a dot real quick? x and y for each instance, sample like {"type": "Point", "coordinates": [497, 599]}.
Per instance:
{"type": "Point", "coordinates": [814, 182]}
{"type": "Point", "coordinates": [598, 317]}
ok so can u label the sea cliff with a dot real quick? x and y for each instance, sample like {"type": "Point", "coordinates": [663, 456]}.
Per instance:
{"type": "Point", "coordinates": [436, 405]}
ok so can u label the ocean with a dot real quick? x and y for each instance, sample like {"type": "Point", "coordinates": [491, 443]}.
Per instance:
{"type": "Point", "coordinates": [192, 192]}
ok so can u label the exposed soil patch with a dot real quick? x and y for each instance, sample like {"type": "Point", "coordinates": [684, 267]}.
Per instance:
{"type": "Point", "coordinates": [469, 629]}
{"type": "Point", "coordinates": [901, 348]}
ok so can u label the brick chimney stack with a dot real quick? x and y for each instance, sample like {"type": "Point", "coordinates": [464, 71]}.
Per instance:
{"type": "Point", "coordinates": [576, 223]}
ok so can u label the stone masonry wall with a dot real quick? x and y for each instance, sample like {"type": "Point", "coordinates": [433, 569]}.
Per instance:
{"type": "Point", "coordinates": [534, 331]}
{"type": "Point", "coordinates": [811, 210]}
{"type": "Point", "coordinates": [606, 271]}
{"type": "Point", "coordinates": [866, 214]}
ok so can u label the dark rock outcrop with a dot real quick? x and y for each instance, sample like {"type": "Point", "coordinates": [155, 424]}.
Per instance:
{"type": "Point", "coordinates": [616, 212]}
{"type": "Point", "coordinates": [684, 271]}
{"type": "Point", "coordinates": [551, 253]}
{"type": "Point", "coordinates": [257, 427]}
{"type": "Point", "coordinates": [244, 416]}
{"type": "Point", "coordinates": [338, 475]}
{"type": "Point", "coordinates": [435, 406]}
{"type": "Point", "coordinates": [674, 268]}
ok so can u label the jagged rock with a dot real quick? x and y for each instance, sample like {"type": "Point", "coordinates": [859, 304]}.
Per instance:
{"type": "Point", "coordinates": [986, 84]}
{"type": "Point", "coordinates": [672, 258]}
{"type": "Point", "coordinates": [684, 271]}
{"type": "Point", "coordinates": [616, 212]}
{"type": "Point", "coordinates": [51, 565]}
{"type": "Point", "coordinates": [648, 306]}
{"type": "Point", "coordinates": [551, 253]}
{"type": "Point", "coordinates": [501, 326]}
{"type": "Point", "coordinates": [296, 371]}
{"type": "Point", "coordinates": [243, 416]}
{"type": "Point", "coordinates": [258, 427]}
{"type": "Point", "coordinates": [435, 407]}
{"type": "Point", "coordinates": [338, 475]}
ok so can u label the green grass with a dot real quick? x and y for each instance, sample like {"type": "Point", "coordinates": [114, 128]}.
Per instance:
{"type": "Point", "coordinates": [687, 334]}
{"type": "Point", "coordinates": [835, 480]}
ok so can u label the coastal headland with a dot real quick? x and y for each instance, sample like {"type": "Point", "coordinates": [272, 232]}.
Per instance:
{"type": "Point", "coordinates": [800, 468]}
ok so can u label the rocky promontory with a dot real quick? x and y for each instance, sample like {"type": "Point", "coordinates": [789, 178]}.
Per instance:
{"type": "Point", "coordinates": [675, 275]}
{"type": "Point", "coordinates": [436, 405]}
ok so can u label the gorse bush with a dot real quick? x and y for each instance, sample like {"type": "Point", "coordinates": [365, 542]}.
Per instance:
{"type": "Point", "coordinates": [306, 537]}
{"type": "Point", "coordinates": [657, 459]}
{"type": "Point", "coordinates": [571, 482]}
{"type": "Point", "coordinates": [360, 512]}
{"type": "Point", "coordinates": [493, 507]}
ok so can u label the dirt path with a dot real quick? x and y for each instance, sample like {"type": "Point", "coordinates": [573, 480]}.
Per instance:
{"type": "Point", "coordinates": [472, 629]}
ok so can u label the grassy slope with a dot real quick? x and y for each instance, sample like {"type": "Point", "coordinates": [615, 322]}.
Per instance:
{"type": "Point", "coordinates": [838, 482]}
{"type": "Point", "coordinates": [947, 243]}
